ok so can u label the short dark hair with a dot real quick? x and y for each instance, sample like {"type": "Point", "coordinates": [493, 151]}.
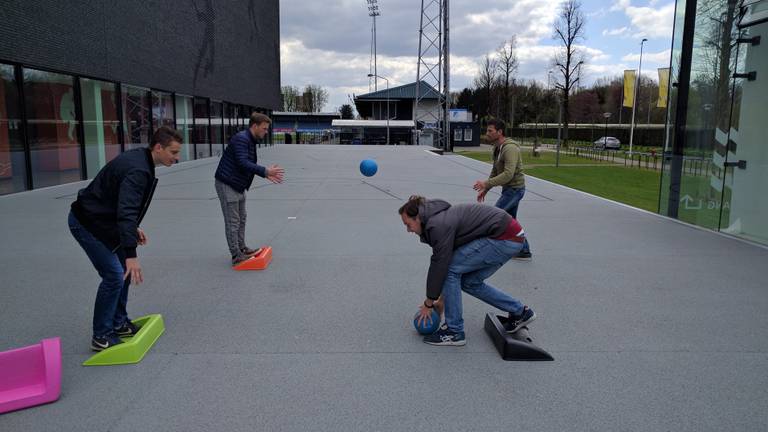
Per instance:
{"type": "Point", "coordinates": [258, 118]}
{"type": "Point", "coordinates": [164, 136]}
{"type": "Point", "coordinates": [499, 125]}
{"type": "Point", "coordinates": [411, 208]}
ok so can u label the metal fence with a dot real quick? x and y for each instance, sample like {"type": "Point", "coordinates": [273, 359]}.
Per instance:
{"type": "Point", "coordinates": [692, 165]}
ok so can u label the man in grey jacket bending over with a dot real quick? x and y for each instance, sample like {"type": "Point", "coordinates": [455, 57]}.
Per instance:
{"type": "Point", "coordinates": [469, 243]}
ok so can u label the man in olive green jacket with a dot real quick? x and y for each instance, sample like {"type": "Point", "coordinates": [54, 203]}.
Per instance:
{"type": "Point", "coordinates": [507, 172]}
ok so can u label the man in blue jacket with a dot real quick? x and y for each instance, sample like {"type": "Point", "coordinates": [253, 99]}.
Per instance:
{"type": "Point", "coordinates": [234, 176]}
{"type": "Point", "coordinates": [105, 219]}
{"type": "Point", "coordinates": [470, 242]}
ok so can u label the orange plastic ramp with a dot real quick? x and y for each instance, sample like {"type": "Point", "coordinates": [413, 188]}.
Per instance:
{"type": "Point", "coordinates": [260, 261]}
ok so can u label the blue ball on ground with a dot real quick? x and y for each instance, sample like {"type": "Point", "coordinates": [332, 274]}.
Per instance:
{"type": "Point", "coordinates": [368, 167]}
{"type": "Point", "coordinates": [427, 326]}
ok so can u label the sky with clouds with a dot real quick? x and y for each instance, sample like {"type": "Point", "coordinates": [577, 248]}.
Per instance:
{"type": "Point", "coordinates": [328, 43]}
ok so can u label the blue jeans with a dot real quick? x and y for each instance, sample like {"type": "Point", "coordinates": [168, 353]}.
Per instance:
{"type": "Point", "coordinates": [509, 201]}
{"type": "Point", "coordinates": [470, 266]}
{"type": "Point", "coordinates": [109, 311]}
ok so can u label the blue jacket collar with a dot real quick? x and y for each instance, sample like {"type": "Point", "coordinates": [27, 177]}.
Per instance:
{"type": "Point", "coordinates": [254, 140]}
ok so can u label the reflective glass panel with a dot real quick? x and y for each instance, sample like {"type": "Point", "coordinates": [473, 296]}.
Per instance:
{"type": "Point", "coordinates": [745, 205]}
{"type": "Point", "coordinates": [51, 128]}
{"type": "Point", "coordinates": [217, 129]}
{"type": "Point", "coordinates": [136, 107]}
{"type": "Point", "coordinates": [13, 168]}
{"type": "Point", "coordinates": [202, 127]}
{"type": "Point", "coordinates": [184, 117]}
{"type": "Point", "coordinates": [162, 109]}
{"type": "Point", "coordinates": [100, 123]}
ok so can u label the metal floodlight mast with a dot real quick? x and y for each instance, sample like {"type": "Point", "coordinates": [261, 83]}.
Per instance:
{"type": "Point", "coordinates": [373, 12]}
{"type": "Point", "coordinates": [433, 69]}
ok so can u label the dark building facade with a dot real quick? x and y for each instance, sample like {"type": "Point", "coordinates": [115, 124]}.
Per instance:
{"type": "Point", "coordinates": [81, 81]}
{"type": "Point", "coordinates": [397, 103]}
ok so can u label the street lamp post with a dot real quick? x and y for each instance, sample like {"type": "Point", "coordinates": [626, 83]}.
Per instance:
{"type": "Point", "coordinates": [607, 115]}
{"type": "Point", "coordinates": [634, 100]}
{"type": "Point", "coordinates": [559, 128]}
{"type": "Point", "coordinates": [377, 76]}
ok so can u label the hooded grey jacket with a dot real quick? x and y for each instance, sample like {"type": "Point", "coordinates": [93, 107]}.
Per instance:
{"type": "Point", "coordinates": [446, 228]}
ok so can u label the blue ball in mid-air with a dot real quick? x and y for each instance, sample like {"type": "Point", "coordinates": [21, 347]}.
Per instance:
{"type": "Point", "coordinates": [368, 167]}
{"type": "Point", "coordinates": [427, 326]}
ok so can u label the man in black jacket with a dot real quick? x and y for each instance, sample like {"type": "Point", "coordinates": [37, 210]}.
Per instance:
{"type": "Point", "coordinates": [470, 242]}
{"type": "Point", "coordinates": [234, 176]}
{"type": "Point", "coordinates": [105, 222]}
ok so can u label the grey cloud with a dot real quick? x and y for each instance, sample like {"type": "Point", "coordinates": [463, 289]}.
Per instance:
{"type": "Point", "coordinates": [345, 26]}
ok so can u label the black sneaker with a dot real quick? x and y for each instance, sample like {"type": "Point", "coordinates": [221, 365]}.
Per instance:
{"type": "Point", "coordinates": [238, 259]}
{"type": "Point", "coordinates": [516, 322]}
{"type": "Point", "coordinates": [102, 343]}
{"type": "Point", "coordinates": [446, 337]}
{"type": "Point", "coordinates": [250, 252]}
{"type": "Point", "coordinates": [523, 255]}
{"type": "Point", "coordinates": [127, 330]}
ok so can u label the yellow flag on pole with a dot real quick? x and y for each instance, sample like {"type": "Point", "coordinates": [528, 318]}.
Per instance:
{"type": "Point", "coordinates": [629, 88]}
{"type": "Point", "coordinates": [663, 87]}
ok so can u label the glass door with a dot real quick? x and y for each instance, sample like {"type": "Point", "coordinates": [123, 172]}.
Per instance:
{"type": "Point", "coordinates": [745, 206]}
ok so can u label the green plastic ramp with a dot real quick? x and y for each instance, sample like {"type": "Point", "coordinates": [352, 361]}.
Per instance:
{"type": "Point", "coordinates": [133, 349]}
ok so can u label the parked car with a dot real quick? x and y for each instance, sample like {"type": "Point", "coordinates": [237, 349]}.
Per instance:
{"type": "Point", "coordinates": [608, 143]}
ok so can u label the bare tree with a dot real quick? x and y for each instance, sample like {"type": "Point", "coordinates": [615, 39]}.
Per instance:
{"type": "Point", "coordinates": [507, 66]}
{"type": "Point", "coordinates": [290, 96]}
{"type": "Point", "coordinates": [485, 80]}
{"type": "Point", "coordinates": [315, 98]}
{"type": "Point", "coordinates": [569, 31]}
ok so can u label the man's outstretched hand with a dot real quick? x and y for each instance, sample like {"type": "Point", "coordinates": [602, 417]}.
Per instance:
{"type": "Point", "coordinates": [480, 185]}
{"type": "Point", "coordinates": [133, 270]}
{"type": "Point", "coordinates": [275, 173]}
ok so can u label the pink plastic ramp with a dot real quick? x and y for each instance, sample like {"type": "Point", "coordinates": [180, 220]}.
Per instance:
{"type": "Point", "coordinates": [30, 376]}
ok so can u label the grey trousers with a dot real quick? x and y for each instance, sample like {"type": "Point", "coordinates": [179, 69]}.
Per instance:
{"type": "Point", "coordinates": [233, 208]}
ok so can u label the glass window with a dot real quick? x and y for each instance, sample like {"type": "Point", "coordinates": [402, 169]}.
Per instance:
{"type": "Point", "coordinates": [717, 178]}
{"type": "Point", "coordinates": [674, 78]}
{"type": "Point", "coordinates": [245, 116]}
{"type": "Point", "coordinates": [226, 107]}
{"type": "Point", "coordinates": [744, 209]}
{"type": "Point", "coordinates": [234, 114]}
{"type": "Point", "coordinates": [136, 105]}
{"type": "Point", "coordinates": [467, 134]}
{"type": "Point", "coordinates": [100, 123]}
{"type": "Point", "coordinates": [13, 168]}
{"type": "Point", "coordinates": [202, 128]}
{"type": "Point", "coordinates": [269, 139]}
{"type": "Point", "coordinates": [162, 109]}
{"type": "Point", "coordinates": [217, 130]}
{"type": "Point", "coordinates": [51, 128]}
{"type": "Point", "coordinates": [184, 126]}
{"type": "Point", "coordinates": [699, 170]}
{"type": "Point", "coordinates": [458, 133]}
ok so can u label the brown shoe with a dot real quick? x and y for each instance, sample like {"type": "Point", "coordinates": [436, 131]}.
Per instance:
{"type": "Point", "coordinates": [250, 252]}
